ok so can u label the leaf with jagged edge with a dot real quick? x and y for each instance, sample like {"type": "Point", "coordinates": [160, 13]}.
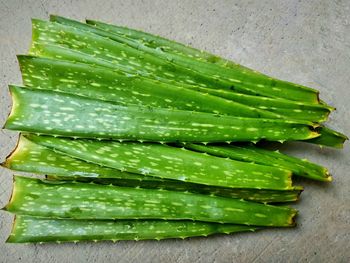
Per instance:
{"type": "Point", "coordinates": [74, 200]}
{"type": "Point", "coordinates": [57, 113]}
{"type": "Point", "coordinates": [329, 138]}
{"type": "Point", "coordinates": [253, 154]}
{"type": "Point", "coordinates": [284, 108]}
{"type": "Point", "coordinates": [49, 38]}
{"type": "Point", "coordinates": [167, 162]}
{"type": "Point", "coordinates": [57, 75]}
{"type": "Point", "coordinates": [104, 84]}
{"type": "Point", "coordinates": [169, 46]}
{"type": "Point", "coordinates": [29, 229]}
{"type": "Point", "coordinates": [256, 195]}
{"type": "Point", "coordinates": [333, 139]}
{"type": "Point", "coordinates": [34, 158]}
{"type": "Point", "coordinates": [163, 46]}
{"type": "Point", "coordinates": [31, 65]}
{"type": "Point", "coordinates": [136, 59]}
{"type": "Point", "coordinates": [231, 78]}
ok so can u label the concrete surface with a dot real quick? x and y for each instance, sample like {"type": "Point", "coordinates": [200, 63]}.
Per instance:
{"type": "Point", "coordinates": [301, 41]}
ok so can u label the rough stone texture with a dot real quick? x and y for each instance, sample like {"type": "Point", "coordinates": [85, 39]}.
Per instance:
{"type": "Point", "coordinates": [302, 41]}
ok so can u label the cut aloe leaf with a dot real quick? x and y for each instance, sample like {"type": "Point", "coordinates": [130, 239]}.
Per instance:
{"type": "Point", "coordinates": [280, 106]}
{"type": "Point", "coordinates": [233, 77]}
{"type": "Point", "coordinates": [56, 113]}
{"type": "Point", "coordinates": [29, 229]}
{"type": "Point", "coordinates": [120, 56]}
{"type": "Point", "coordinates": [76, 78]}
{"type": "Point", "coordinates": [170, 163]}
{"type": "Point", "coordinates": [103, 84]}
{"type": "Point", "coordinates": [329, 138]}
{"type": "Point", "coordinates": [169, 46]}
{"type": "Point", "coordinates": [255, 195]}
{"type": "Point", "coordinates": [135, 58]}
{"type": "Point", "coordinates": [253, 154]}
{"type": "Point", "coordinates": [34, 158]}
{"type": "Point", "coordinates": [93, 201]}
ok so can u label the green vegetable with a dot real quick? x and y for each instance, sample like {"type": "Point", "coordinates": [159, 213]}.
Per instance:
{"type": "Point", "coordinates": [104, 84]}
{"type": "Point", "coordinates": [166, 68]}
{"type": "Point", "coordinates": [258, 155]}
{"type": "Point", "coordinates": [169, 46]}
{"type": "Point", "coordinates": [329, 137]}
{"type": "Point", "coordinates": [77, 78]}
{"type": "Point", "coordinates": [28, 229]}
{"type": "Point", "coordinates": [34, 158]}
{"type": "Point", "coordinates": [92, 48]}
{"type": "Point", "coordinates": [255, 195]}
{"type": "Point", "coordinates": [101, 83]}
{"type": "Point", "coordinates": [45, 49]}
{"type": "Point", "coordinates": [56, 113]}
{"type": "Point", "coordinates": [284, 108]}
{"type": "Point", "coordinates": [92, 201]}
{"type": "Point", "coordinates": [171, 163]}
{"type": "Point", "coordinates": [232, 78]}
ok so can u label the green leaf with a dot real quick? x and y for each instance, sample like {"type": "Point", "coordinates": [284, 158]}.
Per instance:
{"type": "Point", "coordinates": [34, 158]}
{"type": "Point", "coordinates": [100, 83]}
{"type": "Point", "coordinates": [168, 68]}
{"type": "Point", "coordinates": [233, 77]}
{"type": "Point", "coordinates": [253, 154]}
{"type": "Point", "coordinates": [56, 113]}
{"type": "Point", "coordinates": [28, 229]}
{"type": "Point", "coordinates": [171, 163]}
{"type": "Point", "coordinates": [92, 201]}
{"type": "Point", "coordinates": [329, 138]}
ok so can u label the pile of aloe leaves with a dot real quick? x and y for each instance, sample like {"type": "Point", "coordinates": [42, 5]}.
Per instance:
{"type": "Point", "coordinates": [133, 136]}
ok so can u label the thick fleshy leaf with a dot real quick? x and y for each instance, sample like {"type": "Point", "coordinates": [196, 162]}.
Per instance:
{"type": "Point", "coordinates": [329, 137]}
{"type": "Point", "coordinates": [56, 113]}
{"type": "Point", "coordinates": [93, 201]}
{"type": "Point", "coordinates": [232, 78]}
{"type": "Point", "coordinates": [172, 47]}
{"type": "Point", "coordinates": [253, 154]}
{"type": "Point", "coordinates": [104, 84]}
{"type": "Point", "coordinates": [167, 162]}
{"type": "Point", "coordinates": [34, 158]}
{"type": "Point", "coordinates": [170, 67]}
{"type": "Point", "coordinates": [28, 229]}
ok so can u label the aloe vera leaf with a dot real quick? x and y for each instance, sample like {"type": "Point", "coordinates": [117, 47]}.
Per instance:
{"type": "Point", "coordinates": [45, 50]}
{"type": "Point", "coordinates": [168, 162]}
{"type": "Point", "coordinates": [255, 195]}
{"type": "Point", "coordinates": [280, 106]}
{"type": "Point", "coordinates": [56, 113]}
{"type": "Point", "coordinates": [101, 83]}
{"type": "Point", "coordinates": [329, 138]}
{"type": "Point", "coordinates": [93, 201]}
{"type": "Point", "coordinates": [119, 55]}
{"type": "Point", "coordinates": [76, 78]}
{"type": "Point", "coordinates": [253, 154]}
{"type": "Point", "coordinates": [230, 76]}
{"type": "Point", "coordinates": [56, 74]}
{"type": "Point", "coordinates": [29, 229]}
{"type": "Point", "coordinates": [34, 158]}
{"type": "Point", "coordinates": [169, 46]}
{"type": "Point", "coordinates": [65, 76]}
{"type": "Point", "coordinates": [334, 140]}
{"type": "Point", "coordinates": [136, 59]}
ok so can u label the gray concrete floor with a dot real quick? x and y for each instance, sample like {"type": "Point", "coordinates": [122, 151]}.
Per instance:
{"type": "Point", "coordinates": [302, 41]}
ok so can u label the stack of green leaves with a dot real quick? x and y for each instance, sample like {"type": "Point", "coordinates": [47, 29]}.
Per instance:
{"type": "Point", "coordinates": [137, 137]}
